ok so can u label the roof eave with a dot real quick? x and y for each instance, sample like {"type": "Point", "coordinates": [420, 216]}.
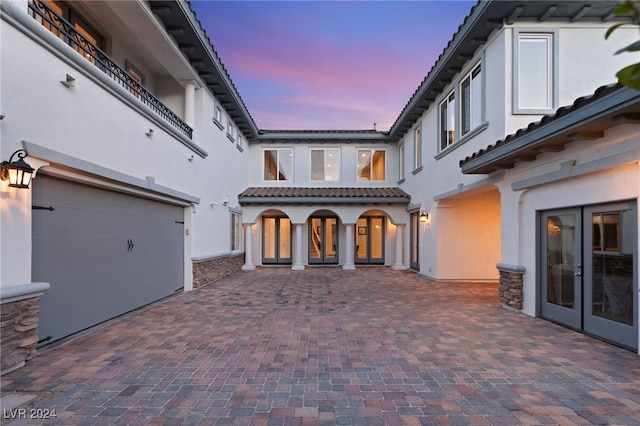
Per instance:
{"type": "Point", "coordinates": [323, 200]}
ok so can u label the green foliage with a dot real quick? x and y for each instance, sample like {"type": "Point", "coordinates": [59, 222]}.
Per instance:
{"type": "Point", "coordinates": [628, 76]}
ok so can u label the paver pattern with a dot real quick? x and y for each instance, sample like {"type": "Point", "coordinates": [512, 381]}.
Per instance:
{"type": "Point", "coordinates": [332, 347]}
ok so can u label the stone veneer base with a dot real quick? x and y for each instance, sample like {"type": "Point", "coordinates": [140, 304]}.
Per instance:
{"type": "Point", "coordinates": [207, 271]}
{"type": "Point", "coordinates": [510, 290]}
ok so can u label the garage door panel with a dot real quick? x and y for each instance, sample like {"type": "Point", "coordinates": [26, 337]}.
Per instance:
{"type": "Point", "coordinates": [101, 263]}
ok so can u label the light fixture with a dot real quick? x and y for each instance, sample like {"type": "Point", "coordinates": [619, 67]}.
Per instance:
{"type": "Point", "coordinates": [149, 132]}
{"type": "Point", "coordinates": [17, 172]}
{"type": "Point", "coordinates": [424, 216]}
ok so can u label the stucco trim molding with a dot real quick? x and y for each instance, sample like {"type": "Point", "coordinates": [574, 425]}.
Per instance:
{"type": "Point", "coordinates": [14, 293]}
{"type": "Point", "coordinates": [507, 267]}
{"type": "Point", "coordinates": [461, 188]}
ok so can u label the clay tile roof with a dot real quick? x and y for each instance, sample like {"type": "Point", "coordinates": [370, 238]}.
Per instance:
{"type": "Point", "coordinates": [324, 195]}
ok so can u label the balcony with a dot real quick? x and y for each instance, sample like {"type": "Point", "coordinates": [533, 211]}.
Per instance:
{"type": "Point", "coordinates": [81, 43]}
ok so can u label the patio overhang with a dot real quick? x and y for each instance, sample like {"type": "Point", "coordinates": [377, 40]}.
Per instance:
{"type": "Point", "coordinates": [314, 196]}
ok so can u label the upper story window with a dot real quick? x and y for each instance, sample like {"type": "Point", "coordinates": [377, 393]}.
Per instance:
{"type": "Point", "coordinates": [401, 161]}
{"type": "Point", "coordinates": [78, 23]}
{"type": "Point", "coordinates": [417, 148]}
{"type": "Point", "coordinates": [278, 164]}
{"type": "Point", "coordinates": [325, 164]}
{"type": "Point", "coordinates": [217, 117]}
{"type": "Point", "coordinates": [371, 164]}
{"type": "Point", "coordinates": [231, 131]}
{"type": "Point", "coordinates": [448, 121]}
{"type": "Point", "coordinates": [471, 100]}
{"type": "Point", "coordinates": [534, 72]}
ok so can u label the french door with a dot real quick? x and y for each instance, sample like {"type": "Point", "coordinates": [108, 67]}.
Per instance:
{"type": "Point", "coordinates": [323, 240]}
{"type": "Point", "coordinates": [414, 241]}
{"type": "Point", "coordinates": [590, 270]}
{"type": "Point", "coordinates": [370, 240]}
{"type": "Point", "coordinates": [276, 240]}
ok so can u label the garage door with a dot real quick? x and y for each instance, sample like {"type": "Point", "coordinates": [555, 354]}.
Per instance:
{"type": "Point", "coordinates": [104, 254]}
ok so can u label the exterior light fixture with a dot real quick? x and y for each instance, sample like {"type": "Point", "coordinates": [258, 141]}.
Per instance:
{"type": "Point", "coordinates": [424, 216]}
{"type": "Point", "coordinates": [18, 172]}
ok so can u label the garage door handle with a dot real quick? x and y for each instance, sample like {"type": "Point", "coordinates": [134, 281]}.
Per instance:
{"type": "Point", "coordinates": [130, 245]}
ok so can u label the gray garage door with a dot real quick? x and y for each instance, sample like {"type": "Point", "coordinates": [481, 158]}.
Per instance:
{"type": "Point", "coordinates": [104, 254]}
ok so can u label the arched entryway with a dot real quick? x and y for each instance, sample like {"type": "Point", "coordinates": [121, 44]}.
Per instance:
{"type": "Point", "coordinates": [323, 238]}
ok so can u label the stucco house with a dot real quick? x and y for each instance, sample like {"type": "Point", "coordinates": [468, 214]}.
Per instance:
{"type": "Point", "coordinates": [516, 161]}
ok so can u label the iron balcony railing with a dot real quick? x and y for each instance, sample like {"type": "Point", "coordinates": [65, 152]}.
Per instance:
{"type": "Point", "coordinates": [67, 32]}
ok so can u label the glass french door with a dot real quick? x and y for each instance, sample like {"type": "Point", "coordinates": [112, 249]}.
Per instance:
{"type": "Point", "coordinates": [370, 240]}
{"type": "Point", "coordinates": [590, 270]}
{"type": "Point", "coordinates": [323, 240]}
{"type": "Point", "coordinates": [414, 241]}
{"type": "Point", "coordinates": [276, 240]}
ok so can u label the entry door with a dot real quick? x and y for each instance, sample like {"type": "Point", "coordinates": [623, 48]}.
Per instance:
{"type": "Point", "coordinates": [323, 240]}
{"type": "Point", "coordinates": [370, 240]}
{"type": "Point", "coordinates": [611, 265]}
{"type": "Point", "coordinates": [561, 272]}
{"type": "Point", "coordinates": [276, 240]}
{"type": "Point", "coordinates": [590, 270]}
{"type": "Point", "coordinates": [414, 230]}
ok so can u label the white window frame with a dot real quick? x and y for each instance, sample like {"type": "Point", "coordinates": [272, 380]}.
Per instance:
{"type": "Point", "coordinates": [280, 151]}
{"type": "Point", "coordinates": [371, 153]}
{"type": "Point", "coordinates": [417, 149]}
{"type": "Point", "coordinates": [401, 175]}
{"type": "Point", "coordinates": [230, 131]}
{"type": "Point", "coordinates": [445, 140]}
{"type": "Point", "coordinates": [325, 150]}
{"type": "Point", "coordinates": [236, 230]}
{"type": "Point", "coordinates": [550, 36]}
{"type": "Point", "coordinates": [475, 103]}
{"type": "Point", "coordinates": [217, 117]}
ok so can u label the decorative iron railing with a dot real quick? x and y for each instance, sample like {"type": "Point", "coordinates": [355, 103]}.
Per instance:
{"type": "Point", "coordinates": [67, 32]}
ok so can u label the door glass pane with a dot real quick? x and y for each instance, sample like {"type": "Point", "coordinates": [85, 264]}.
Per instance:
{"type": "Point", "coordinates": [285, 238]}
{"type": "Point", "coordinates": [377, 237]}
{"type": "Point", "coordinates": [561, 235]}
{"type": "Point", "coordinates": [612, 254]}
{"type": "Point", "coordinates": [315, 240]}
{"type": "Point", "coordinates": [269, 238]}
{"type": "Point", "coordinates": [331, 238]}
{"type": "Point", "coordinates": [414, 238]}
{"type": "Point", "coordinates": [361, 239]}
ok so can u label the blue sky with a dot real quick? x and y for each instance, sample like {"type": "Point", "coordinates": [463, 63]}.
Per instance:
{"type": "Point", "coordinates": [328, 65]}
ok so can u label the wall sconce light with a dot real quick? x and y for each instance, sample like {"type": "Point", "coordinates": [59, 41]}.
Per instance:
{"type": "Point", "coordinates": [18, 172]}
{"type": "Point", "coordinates": [424, 216]}
{"type": "Point", "coordinates": [149, 132]}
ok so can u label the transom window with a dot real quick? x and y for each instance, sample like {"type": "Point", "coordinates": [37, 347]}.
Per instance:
{"type": "Point", "coordinates": [278, 164]}
{"type": "Point", "coordinates": [325, 164]}
{"type": "Point", "coordinates": [371, 165]}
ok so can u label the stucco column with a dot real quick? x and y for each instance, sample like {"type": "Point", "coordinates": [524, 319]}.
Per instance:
{"type": "Point", "coordinates": [248, 252]}
{"type": "Point", "coordinates": [348, 260]}
{"type": "Point", "coordinates": [399, 265]}
{"type": "Point", "coordinates": [297, 259]}
{"type": "Point", "coordinates": [190, 103]}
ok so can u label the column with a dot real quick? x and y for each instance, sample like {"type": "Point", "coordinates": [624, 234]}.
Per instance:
{"type": "Point", "coordinates": [399, 265]}
{"type": "Point", "coordinates": [297, 257]}
{"type": "Point", "coordinates": [348, 260]}
{"type": "Point", "coordinates": [190, 103]}
{"type": "Point", "coordinates": [248, 258]}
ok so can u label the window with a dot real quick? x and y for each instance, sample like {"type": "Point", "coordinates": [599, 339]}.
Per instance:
{"type": "Point", "coordinates": [401, 161]}
{"type": "Point", "coordinates": [534, 73]}
{"type": "Point", "coordinates": [371, 164]}
{"type": "Point", "coordinates": [417, 148]}
{"type": "Point", "coordinates": [471, 101]}
{"type": "Point", "coordinates": [231, 131]}
{"type": "Point", "coordinates": [325, 164]}
{"type": "Point", "coordinates": [447, 121]}
{"type": "Point", "coordinates": [278, 164]}
{"type": "Point", "coordinates": [217, 117]}
{"type": "Point", "coordinates": [236, 231]}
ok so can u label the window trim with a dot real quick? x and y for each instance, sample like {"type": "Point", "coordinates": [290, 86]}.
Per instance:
{"type": "Point", "coordinates": [447, 100]}
{"type": "Point", "coordinates": [401, 160]}
{"type": "Point", "coordinates": [234, 213]}
{"type": "Point", "coordinates": [465, 77]}
{"type": "Point", "coordinates": [230, 131]}
{"type": "Point", "coordinates": [324, 149]}
{"type": "Point", "coordinates": [372, 150]}
{"type": "Point", "coordinates": [218, 120]}
{"type": "Point", "coordinates": [554, 71]}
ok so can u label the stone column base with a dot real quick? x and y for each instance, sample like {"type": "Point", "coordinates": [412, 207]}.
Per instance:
{"type": "Point", "coordinates": [510, 290]}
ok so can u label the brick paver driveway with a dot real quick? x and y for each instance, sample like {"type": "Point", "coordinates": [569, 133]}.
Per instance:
{"type": "Point", "coordinates": [326, 346]}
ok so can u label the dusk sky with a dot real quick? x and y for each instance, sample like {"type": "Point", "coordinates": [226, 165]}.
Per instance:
{"type": "Point", "coordinates": [328, 65]}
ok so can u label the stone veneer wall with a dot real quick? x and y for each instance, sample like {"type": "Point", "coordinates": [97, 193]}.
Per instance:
{"type": "Point", "coordinates": [510, 285]}
{"type": "Point", "coordinates": [19, 331]}
{"type": "Point", "coordinates": [207, 271]}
